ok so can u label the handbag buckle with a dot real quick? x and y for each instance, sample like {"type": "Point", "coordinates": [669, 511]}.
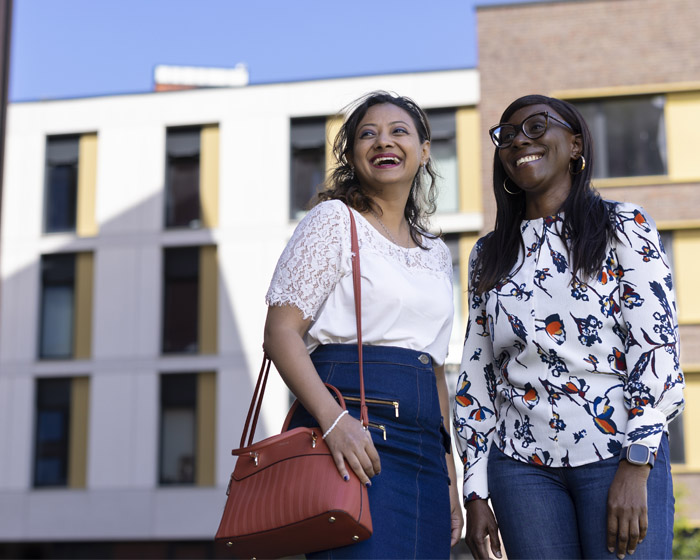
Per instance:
{"type": "Point", "coordinates": [254, 456]}
{"type": "Point", "coordinates": [314, 437]}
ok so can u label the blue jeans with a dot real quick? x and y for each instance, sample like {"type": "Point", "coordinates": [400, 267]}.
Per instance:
{"type": "Point", "coordinates": [546, 512]}
{"type": "Point", "coordinates": [409, 500]}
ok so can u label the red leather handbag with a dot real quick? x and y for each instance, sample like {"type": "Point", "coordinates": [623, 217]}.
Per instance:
{"type": "Point", "coordinates": [285, 495]}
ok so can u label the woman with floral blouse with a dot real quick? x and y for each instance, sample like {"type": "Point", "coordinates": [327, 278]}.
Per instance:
{"type": "Point", "coordinates": [570, 373]}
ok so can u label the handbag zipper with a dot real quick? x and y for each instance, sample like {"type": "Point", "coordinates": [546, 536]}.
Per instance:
{"type": "Point", "coordinates": [395, 404]}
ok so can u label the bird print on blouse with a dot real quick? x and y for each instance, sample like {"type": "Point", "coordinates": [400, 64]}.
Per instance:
{"type": "Point", "coordinates": [561, 370]}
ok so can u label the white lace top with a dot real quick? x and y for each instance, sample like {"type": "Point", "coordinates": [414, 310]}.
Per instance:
{"type": "Point", "coordinates": [406, 293]}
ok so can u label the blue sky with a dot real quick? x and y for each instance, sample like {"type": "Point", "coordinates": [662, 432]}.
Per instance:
{"type": "Point", "coordinates": [79, 48]}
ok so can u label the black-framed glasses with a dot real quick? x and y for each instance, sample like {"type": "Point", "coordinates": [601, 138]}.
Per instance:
{"type": "Point", "coordinates": [502, 135]}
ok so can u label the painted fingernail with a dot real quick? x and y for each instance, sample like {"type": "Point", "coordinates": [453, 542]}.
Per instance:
{"type": "Point", "coordinates": [368, 484]}
{"type": "Point", "coordinates": [611, 549]}
{"type": "Point", "coordinates": [346, 478]}
{"type": "Point", "coordinates": [499, 555]}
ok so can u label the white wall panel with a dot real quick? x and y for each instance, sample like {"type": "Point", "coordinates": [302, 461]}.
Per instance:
{"type": "Point", "coordinates": [112, 427]}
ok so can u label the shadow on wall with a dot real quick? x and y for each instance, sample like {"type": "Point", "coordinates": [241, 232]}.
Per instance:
{"type": "Point", "coordinates": [122, 323]}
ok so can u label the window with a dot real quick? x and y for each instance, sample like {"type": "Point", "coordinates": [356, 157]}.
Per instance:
{"type": "Point", "coordinates": [65, 322]}
{"type": "Point", "coordinates": [57, 306]}
{"type": "Point", "coordinates": [52, 427]}
{"type": "Point", "coordinates": [629, 135]}
{"type": "Point", "coordinates": [178, 401]}
{"type": "Point", "coordinates": [190, 300]}
{"type": "Point", "coordinates": [443, 150]}
{"type": "Point", "coordinates": [308, 162]}
{"type": "Point", "coordinates": [61, 183]}
{"type": "Point", "coordinates": [181, 300]}
{"type": "Point", "coordinates": [182, 207]}
{"type": "Point", "coordinates": [61, 432]}
{"type": "Point", "coordinates": [187, 428]}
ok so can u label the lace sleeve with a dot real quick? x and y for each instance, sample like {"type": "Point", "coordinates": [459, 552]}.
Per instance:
{"type": "Point", "coordinates": [314, 260]}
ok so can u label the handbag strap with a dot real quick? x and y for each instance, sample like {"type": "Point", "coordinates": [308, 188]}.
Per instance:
{"type": "Point", "coordinates": [251, 421]}
{"type": "Point", "coordinates": [355, 253]}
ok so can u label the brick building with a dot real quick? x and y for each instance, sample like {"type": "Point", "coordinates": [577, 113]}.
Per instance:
{"type": "Point", "coordinates": [633, 68]}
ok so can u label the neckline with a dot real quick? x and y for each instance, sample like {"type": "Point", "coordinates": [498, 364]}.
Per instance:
{"type": "Point", "coordinates": [383, 237]}
{"type": "Point", "coordinates": [555, 217]}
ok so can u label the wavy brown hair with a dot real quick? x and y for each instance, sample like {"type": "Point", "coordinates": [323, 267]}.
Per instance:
{"type": "Point", "coordinates": [344, 185]}
{"type": "Point", "coordinates": [587, 217]}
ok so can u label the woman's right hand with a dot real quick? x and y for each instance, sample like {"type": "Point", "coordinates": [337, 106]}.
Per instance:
{"type": "Point", "coordinates": [481, 526]}
{"type": "Point", "coordinates": [351, 446]}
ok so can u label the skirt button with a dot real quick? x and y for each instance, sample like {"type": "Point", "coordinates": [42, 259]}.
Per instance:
{"type": "Point", "coordinates": [424, 359]}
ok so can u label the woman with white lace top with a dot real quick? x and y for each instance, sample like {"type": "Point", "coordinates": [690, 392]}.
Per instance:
{"type": "Point", "coordinates": [383, 165]}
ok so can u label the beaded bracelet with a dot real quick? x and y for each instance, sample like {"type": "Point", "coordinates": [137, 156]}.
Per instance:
{"type": "Point", "coordinates": [334, 424]}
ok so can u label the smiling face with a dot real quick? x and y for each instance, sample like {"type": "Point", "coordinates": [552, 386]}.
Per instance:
{"type": "Point", "coordinates": [387, 148]}
{"type": "Point", "coordinates": [540, 167]}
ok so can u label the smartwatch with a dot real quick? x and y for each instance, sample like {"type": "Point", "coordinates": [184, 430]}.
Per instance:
{"type": "Point", "coordinates": [638, 454]}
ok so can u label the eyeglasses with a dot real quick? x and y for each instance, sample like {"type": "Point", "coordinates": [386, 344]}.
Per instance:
{"type": "Point", "coordinates": [502, 135]}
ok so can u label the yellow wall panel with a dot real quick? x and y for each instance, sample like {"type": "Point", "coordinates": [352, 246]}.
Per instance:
{"type": "Point", "coordinates": [208, 300]}
{"type": "Point", "coordinates": [86, 223]}
{"type": "Point", "coordinates": [209, 176]}
{"type": "Point", "coordinates": [691, 419]}
{"type": "Point", "coordinates": [686, 248]}
{"type": "Point", "coordinates": [682, 123]}
{"type": "Point", "coordinates": [77, 439]}
{"type": "Point", "coordinates": [82, 325]}
{"type": "Point", "coordinates": [333, 125]}
{"type": "Point", "coordinates": [206, 429]}
{"type": "Point", "coordinates": [469, 158]}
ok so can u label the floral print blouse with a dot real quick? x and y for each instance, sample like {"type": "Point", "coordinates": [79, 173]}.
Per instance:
{"type": "Point", "coordinates": [563, 372]}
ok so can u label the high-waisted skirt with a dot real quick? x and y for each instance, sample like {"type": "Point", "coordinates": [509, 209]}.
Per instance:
{"type": "Point", "coordinates": [409, 499]}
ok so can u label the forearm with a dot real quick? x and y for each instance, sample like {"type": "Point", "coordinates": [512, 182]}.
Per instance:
{"type": "Point", "coordinates": [285, 346]}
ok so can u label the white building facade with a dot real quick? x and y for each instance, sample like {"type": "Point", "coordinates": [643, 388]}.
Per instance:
{"type": "Point", "coordinates": [125, 372]}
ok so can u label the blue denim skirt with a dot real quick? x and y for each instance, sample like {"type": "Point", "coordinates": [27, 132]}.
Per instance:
{"type": "Point", "coordinates": [409, 499]}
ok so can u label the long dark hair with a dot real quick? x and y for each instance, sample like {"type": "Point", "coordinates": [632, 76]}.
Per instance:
{"type": "Point", "coordinates": [343, 184]}
{"type": "Point", "coordinates": [587, 217]}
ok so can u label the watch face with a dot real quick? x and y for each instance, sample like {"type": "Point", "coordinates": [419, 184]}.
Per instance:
{"type": "Point", "coordinates": [638, 454]}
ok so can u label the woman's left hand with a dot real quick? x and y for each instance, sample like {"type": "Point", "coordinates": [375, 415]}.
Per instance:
{"type": "Point", "coordinates": [456, 515]}
{"type": "Point", "coordinates": [627, 508]}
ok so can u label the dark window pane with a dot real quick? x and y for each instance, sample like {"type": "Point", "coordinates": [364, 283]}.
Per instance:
{"type": "Point", "coordinates": [181, 300]}
{"type": "Point", "coordinates": [182, 177]}
{"type": "Point", "coordinates": [52, 429]}
{"type": "Point", "coordinates": [676, 440]}
{"type": "Point", "coordinates": [308, 162]}
{"type": "Point", "coordinates": [61, 190]}
{"type": "Point", "coordinates": [443, 150]}
{"type": "Point", "coordinates": [629, 135]}
{"type": "Point", "coordinates": [57, 305]}
{"type": "Point", "coordinates": [178, 395]}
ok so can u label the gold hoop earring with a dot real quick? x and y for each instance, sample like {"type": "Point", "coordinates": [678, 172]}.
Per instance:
{"type": "Point", "coordinates": [583, 166]}
{"type": "Point", "coordinates": [506, 188]}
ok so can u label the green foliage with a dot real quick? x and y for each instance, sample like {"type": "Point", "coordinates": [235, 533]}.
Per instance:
{"type": "Point", "coordinates": [686, 538]}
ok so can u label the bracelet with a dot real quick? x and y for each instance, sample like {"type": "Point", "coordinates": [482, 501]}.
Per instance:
{"type": "Point", "coordinates": [334, 424]}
